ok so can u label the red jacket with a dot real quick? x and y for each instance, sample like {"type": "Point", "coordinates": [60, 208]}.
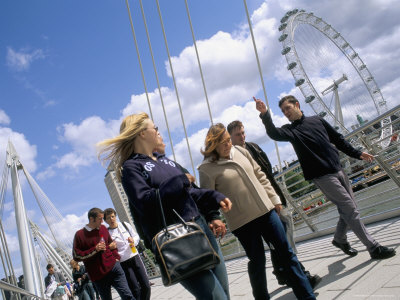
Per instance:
{"type": "Point", "coordinates": [97, 264]}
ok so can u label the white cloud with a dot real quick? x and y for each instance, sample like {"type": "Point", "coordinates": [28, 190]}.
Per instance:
{"type": "Point", "coordinates": [12, 243]}
{"type": "Point", "coordinates": [83, 139]}
{"type": "Point", "coordinates": [21, 60]}
{"type": "Point", "coordinates": [67, 227]}
{"type": "Point", "coordinates": [4, 118]}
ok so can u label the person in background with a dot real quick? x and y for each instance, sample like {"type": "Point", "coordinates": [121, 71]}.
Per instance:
{"type": "Point", "coordinates": [82, 284]}
{"type": "Point", "coordinates": [238, 138]}
{"type": "Point", "coordinates": [54, 276]}
{"type": "Point", "coordinates": [255, 208]}
{"type": "Point", "coordinates": [92, 246]}
{"type": "Point", "coordinates": [142, 172]}
{"type": "Point", "coordinates": [126, 241]}
{"type": "Point", "coordinates": [316, 144]}
{"type": "Point", "coordinates": [21, 282]}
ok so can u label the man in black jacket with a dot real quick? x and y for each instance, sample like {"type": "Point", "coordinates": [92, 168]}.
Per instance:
{"type": "Point", "coordinates": [238, 137]}
{"type": "Point", "coordinates": [316, 144]}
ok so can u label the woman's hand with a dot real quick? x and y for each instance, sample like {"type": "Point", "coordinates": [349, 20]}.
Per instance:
{"type": "Point", "coordinates": [218, 228]}
{"type": "Point", "coordinates": [226, 205]}
{"type": "Point", "coordinates": [278, 208]}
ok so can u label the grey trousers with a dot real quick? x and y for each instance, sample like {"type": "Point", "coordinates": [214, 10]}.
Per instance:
{"type": "Point", "coordinates": [337, 189]}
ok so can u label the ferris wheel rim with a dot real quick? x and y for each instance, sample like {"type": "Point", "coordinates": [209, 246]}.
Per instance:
{"type": "Point", "coordinates": [289, 23]}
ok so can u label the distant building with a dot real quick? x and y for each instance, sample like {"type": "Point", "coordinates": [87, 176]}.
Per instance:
{"type": "Point", "coordinates": [118, 196]}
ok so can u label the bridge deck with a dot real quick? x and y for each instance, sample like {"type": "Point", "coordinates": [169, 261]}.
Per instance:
{"type": "Point", "coordinates": [342, 277]}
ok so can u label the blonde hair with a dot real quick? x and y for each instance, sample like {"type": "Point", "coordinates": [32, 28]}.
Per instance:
{"type": "Point", "coordinates": [121, 147]}
{"type": "Point", "coordinates": [214, 138]}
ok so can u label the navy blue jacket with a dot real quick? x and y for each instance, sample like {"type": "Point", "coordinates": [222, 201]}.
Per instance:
{"type": "Point", "coordinates": [141, 176]}
{"type": "Point", "coordinates": [312, 139]}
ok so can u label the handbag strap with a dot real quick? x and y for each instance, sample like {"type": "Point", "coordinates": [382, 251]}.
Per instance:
{"type": "Point", "coordinates": [162, 212]}
{"type": "Point", "coordinates": [161, 209]}
{"type": "Point", "coordinates": [126, 227]}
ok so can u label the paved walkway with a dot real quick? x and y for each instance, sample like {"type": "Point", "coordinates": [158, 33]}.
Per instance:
{"type": "Point", "coordinates": [342, 277]}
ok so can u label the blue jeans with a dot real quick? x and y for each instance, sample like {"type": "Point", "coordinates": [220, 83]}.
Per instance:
{"type": "Point", "coordinates": [116, 278]}
{"type": "Point", "coordinates": [87, 293]}
{"type": "Point", "coordinates": [269, 227]}
{"type": "Point", "coordinates": [209, 284]}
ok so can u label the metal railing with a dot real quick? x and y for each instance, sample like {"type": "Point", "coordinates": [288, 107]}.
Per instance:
{"type": "Point", "coordinates": [12, 292]}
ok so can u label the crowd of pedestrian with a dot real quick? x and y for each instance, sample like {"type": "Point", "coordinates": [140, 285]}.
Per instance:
{"type": "Point", "coordinates": [235, 177]}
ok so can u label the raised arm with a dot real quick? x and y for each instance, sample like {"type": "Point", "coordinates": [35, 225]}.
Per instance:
{"type": "Point", "coordinates": [277, 134]}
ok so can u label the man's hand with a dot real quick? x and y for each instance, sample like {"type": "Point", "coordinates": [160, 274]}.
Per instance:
{"type": "Point", "coordinates": [101, 247]}
{"type": "Point", "coordinates": [218, 228]}
{"type": "Point", "coordinates": [190, 177]}
{"type": "Point", "coordinates": [112, 245]}
{"type": "Point", "coordinates": [226, 205]}
{"type": "Point", "coordinates": [260, 106]}
{"type": "Point", "coordinates": [131, 240]}
{"type": "Point", "coordinates": [278, 208]}
{"type": "Point", "coordinates": [367, 157]}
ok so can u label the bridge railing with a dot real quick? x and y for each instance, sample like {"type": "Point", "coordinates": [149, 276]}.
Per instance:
{"type": "Point", "coordinates": [12, 292]}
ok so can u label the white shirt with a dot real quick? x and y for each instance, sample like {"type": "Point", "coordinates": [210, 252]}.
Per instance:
{"type": "Point", "coordinates": [120, 236]}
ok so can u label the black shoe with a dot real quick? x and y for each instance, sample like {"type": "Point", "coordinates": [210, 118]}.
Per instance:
{"type": "Point", "coordinates": [314, 281]}
{"type": "Point", "coordinates": [345, 248]}
{"type": "Point", "coordinates": [282, 281]}
{"type": "Point", "coordinates": [382, 252]}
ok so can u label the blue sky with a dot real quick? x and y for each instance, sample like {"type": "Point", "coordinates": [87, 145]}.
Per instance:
{"type": "Point", "coordinates": [69, 74]}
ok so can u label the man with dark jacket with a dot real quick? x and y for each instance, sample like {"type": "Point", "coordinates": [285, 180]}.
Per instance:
{"type": "Point", "coordinates": [316, 144]}
{"type": "Point", "coordinates": [238, 137]}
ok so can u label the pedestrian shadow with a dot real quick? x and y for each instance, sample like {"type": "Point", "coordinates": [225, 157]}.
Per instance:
{"type": "Point", "coordinates": [335, 272]}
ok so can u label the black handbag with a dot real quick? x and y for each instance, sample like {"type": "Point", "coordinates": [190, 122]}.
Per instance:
{"type": "Point", "coordinates": [182, 250]}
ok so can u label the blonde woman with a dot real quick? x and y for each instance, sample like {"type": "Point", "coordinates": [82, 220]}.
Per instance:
{"type": "Point", "coordinates": [255, 208]}
{"type": "Point", "coordinates": [142, 172]}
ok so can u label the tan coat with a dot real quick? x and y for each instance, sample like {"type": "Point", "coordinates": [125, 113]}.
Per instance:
{"type": "Point", "coordinates": [242, 181]}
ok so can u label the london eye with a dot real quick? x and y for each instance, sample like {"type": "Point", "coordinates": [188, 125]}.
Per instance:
{"type": "Point", "coordinates": [331, 75]}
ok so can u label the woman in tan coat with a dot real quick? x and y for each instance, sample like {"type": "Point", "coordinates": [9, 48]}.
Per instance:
{"type": "Point", "coordinates": [255, 208]}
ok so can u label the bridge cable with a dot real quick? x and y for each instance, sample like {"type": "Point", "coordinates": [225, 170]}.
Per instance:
{"type": "Point", "coordinates": [198, 61]}
{"type": "Point", "coordinates": [156, 74]}
{"type": "Point", "coordinates": [261, 76]}
{"type": "Point", "coordinates": [176, 89]}
{"type": "Point", "coordinates": [139, 60]}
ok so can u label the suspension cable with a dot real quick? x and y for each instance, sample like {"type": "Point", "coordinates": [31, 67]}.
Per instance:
{"type": "Point", "coordinates": [156, 74]}
{"type": "Point", "coordinates": [176, 89]}
{"type": "Point", "coordinates": [261, 76]}
{"type": "Point", "coordinates": [198, 61]}
{"type": "Point", "coordinates": [139, 60]}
